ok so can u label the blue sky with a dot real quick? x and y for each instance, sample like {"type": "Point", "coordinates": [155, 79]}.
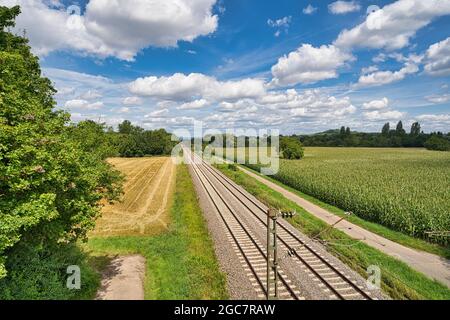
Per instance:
{"type": "Point", "coordinates": [297, 66]}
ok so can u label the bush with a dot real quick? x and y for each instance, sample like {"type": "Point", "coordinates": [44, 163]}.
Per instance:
{"type": "Point", "coordinates": [437, 143]}
{"type": "Point", "coordinates": [40, 274]}
{"type": "Point", "coordinates": [291, 148]}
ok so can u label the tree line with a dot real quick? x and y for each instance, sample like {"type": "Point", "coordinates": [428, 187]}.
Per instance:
{"type": "Point", "coordinates": [388, 137]}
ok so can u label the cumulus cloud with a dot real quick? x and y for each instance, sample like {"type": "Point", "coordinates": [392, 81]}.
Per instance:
{"type": "Point", "coordinates": [132, 101]}
{"type": "Point", "coordinates": [342, 7]}
{"type": "Point", "coordinates": [83, 105]}
{"type": "Point", "coordinates": [195, 86]}
{"type": "Point", "coordinates": [369, 69]}
{"type": "Point", "coordinates": [376, 104]}
{"type": "Point", "coordinates": [394, 25]}
{"type": "Point", "coordinates": [380, 78]}
{"type": "Point", "coordinates": [438, 59]}
{"type": "Point", "coordinates": [309, 9]}
{"type": "Point", "coordinates": [309, 64]}
{"type": "Point", "coordinates": [119, 28]}
{"type": "Point", "coordinates": [379, 115]}
{"type": "Point", "coordinates": [196, 104]}
{"type": "Point", "coordinates": [91, 95]}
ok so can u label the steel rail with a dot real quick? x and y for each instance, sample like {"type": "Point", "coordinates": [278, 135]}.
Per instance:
{"type": "Point", "coordinates": [214, 172]}
{"type": "Point", "coordinates": [286, 285]}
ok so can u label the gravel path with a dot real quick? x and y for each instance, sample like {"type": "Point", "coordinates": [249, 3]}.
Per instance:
{"type": "Point", "coordinates": [123, 279]}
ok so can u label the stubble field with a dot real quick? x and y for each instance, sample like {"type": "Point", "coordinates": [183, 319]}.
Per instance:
{"type": "Point", "coordinates": [144, 207]}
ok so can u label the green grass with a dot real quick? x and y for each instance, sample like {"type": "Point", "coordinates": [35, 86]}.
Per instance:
{"type": "Point", "coordinates": [181, 263]}
{"type": "Point", "coordinates": [398, 280]}
{"type": "Point", "coordinates": [383, 231]}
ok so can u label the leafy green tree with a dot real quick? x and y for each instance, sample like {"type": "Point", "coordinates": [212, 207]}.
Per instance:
{"type": "Point", "coordinates": [291, 148]}
{"type": "Point", "coordinates": [126, 127]}
{"type": "Point", "coordinates": [438, 143]}
{"type": "Point", "coordinates": [50, 187]}
{"type": "Point", "coordinates": [342, 131]}
{"type": "Point", "coordinates": [347, 131]}
{"type": "Point", "coordinates": [399, 129]}
{"type": "Point", "coordinates": [94, 138]}
{"type": "Point", "coordinates": [386, 129]}
{"type": "Point", "coordinates": [415, 129]}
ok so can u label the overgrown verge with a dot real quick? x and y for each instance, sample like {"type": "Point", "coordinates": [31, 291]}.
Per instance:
{"type": "Point", "coordinates": [398, 280]}
{"type": "Point", "coordinates": [180, 264]}
{"type": "Point", "coordinates": [41, 274]}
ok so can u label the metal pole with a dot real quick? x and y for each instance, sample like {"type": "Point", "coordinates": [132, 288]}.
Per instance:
{"type": "Point", "coordinates": [275, 258]}
{"type": "Point", "coordinates": [268, 255]}
{"type": "Point", "coordinates": [272, 263]}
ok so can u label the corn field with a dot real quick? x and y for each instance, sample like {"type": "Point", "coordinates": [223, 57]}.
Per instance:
{"type": "Point", "coordinates": [407, 190]}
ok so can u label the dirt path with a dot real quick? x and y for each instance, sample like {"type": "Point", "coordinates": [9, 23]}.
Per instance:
{"type": "Point", "coordinates": [123, 279]}
{"type": "Point", "coordinates": [431, 265]}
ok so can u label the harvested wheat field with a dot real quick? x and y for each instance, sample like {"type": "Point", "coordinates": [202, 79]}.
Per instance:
{"type": "Point", "coordinates": [148, 189]}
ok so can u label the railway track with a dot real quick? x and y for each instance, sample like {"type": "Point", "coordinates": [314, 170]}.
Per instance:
{"type": "Point", "coordinates": [330, 278]}
{"type": "Point", "coordinates": [251, 252]}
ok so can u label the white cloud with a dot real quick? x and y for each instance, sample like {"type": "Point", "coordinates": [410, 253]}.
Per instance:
{"type": "Point", "coordinates": [308, 104]}
{"type": "Point", "coordinates": [445, 118]}
{"type": "Point", "coordinates": [309, 9]}
{"type": "Point", "coordinates": [438, 99]}
{"type": "Point", "coordinates": [196, 104]}
{"type": "Point", "coordinates": [393, 26]}
{"type": "Point", "coordinates": [124, 110]}
{"type": "Point", "coordinates": [195, 86]}
{"type": "Point", "coordinates": [378, 115]}
{"type": "Point", "coordinates": [376, 104]}
{"type": "Point", "coordinates": [438, 59]}
{"type": "Point", "coordinates": [380, 78]}
{"type": "Point", "coordinates": [158, 113]}
{"type": "Point", "coordinates": [83, 105]}
{"type": "Point", "coordinates": [132, 101]}
{"type": "Point", "coordinates": [91, 95]}
{"type": "Point", "coordinates": [282, 23]}
{"type": "Point", "coordinates": [342, 7]}
{"type": "Point", "coordinates": [119, 28]}
{"type": "Point", "coordinates": [369, 69]}
{"type": "Point", "coordinates": [308, 65]}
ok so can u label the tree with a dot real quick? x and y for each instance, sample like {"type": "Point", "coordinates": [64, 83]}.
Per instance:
{"type": "Point", "coordinates": [386, 129]}
{"type": "Point", "coordinates": [342, 131]}
{"type": "Point", "coordinates": [399, 129]}
{"type": "Point", "coordinates": [126, 127]}
{"type": "Point", "coordinates": [50, 187]}
{"type": "Point", "coordinates": [94, 138]}
{"type": "Point", "coordinates": [291, 148]}
{"type": "Point", "coordinates": [415, 129]}
{"type": "Point", "coordinates": [347, 131]}
{"type": "Point", "coordinates": [437, 143]}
